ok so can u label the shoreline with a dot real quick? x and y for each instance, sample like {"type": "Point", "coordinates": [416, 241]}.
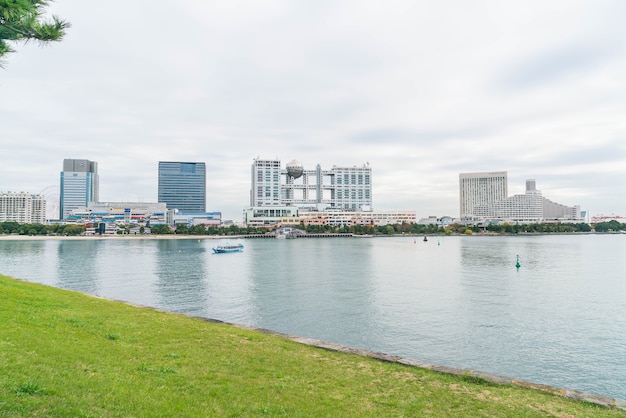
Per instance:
{"type": "Point", "coordinates": [573, 394]}
{"type": "Point", "coordinates": [217, 237]}
{"type": "Point", "coordinates": [110, 237]}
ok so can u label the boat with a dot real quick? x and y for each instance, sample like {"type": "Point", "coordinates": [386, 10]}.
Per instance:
{"type": "Point", "coordinates": [220, 249]}
{"type": "Point", "coordinates": [425, 239]}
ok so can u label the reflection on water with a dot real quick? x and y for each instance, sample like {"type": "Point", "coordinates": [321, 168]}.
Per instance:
{"type": "Point", "coordinates": [307, 287]}
{"type": "Point", "coordinates": [458, 301]}
{"type": "Point", "coordinates": [77, 265]}
{"type": "Point", "coordinates": [181, 275]}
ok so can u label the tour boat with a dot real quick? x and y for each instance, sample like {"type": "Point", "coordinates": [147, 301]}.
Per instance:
{"type": "Point", "coordinates": [236, 248]}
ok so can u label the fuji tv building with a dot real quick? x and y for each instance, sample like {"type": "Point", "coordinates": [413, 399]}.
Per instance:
{"type": "Point", "coordinates": [338, 196]}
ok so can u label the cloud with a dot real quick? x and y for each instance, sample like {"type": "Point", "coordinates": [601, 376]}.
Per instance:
{"type": "Point", "coordinates": [558, 65]}
{"type": "Point", "coordinates": [421, 90]}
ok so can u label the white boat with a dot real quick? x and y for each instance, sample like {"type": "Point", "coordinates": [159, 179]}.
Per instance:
{"type": "Point", "coordinates": [236, 248]}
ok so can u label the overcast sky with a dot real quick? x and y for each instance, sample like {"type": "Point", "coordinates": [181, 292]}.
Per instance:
{"type": "Point", "coordinates": [422, 90]}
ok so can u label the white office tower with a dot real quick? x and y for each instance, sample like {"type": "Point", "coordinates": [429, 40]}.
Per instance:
{"type": "Point", "coordinates": [479, 189]}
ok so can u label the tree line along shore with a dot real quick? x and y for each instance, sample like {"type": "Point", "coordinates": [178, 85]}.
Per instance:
{"type": "Point", "coordinates": [14, 228]}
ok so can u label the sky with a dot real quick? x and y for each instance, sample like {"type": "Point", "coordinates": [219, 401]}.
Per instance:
{"type": "Point", "coordinates": [420, 90]}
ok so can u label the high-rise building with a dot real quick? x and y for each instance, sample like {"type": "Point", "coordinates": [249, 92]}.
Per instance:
{"type": "Point", "coordinates": [265, 184]}
{"type": "Point", "coordinates": [23, 208]}
{"type": "Point", "coordinates": [528, 208]}
{"type": "Point", "coordinates": [351, 187]}
{"type": "Point", "coordinates": [79, 185]}
{"type": "Point", "coordinates": [340, 188]}
{"type": "Point", "coordinates": [481, 189]}
{"type": "Point", "coordinates": [182, 186]}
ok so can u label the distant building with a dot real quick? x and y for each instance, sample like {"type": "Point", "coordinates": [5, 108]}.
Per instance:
{"type": "Point", "coordinates": [293, 216]}
{"type": "Point", "coordinates": [268, 216]}
{"type": "Point", "coordinates": [265, 183]}
{"type": "Point", "coordinates": [114, 214]}
{"type": "Point", "coordinates": [340, 188]}
{"type": "Point", "coordinates": [121, 213]}
{"type": "Point", "coordinates": [199, 218]}
{"type": "Point", "coordinates": [437, 221]}
{"type": "Point", "coordinates": [530, 207]}
{"type": "Point", "coordinates": [481, 189]}
{"type": "Point", "coordinates": [23, 208]}
{"type": "Point", "coordinates": [182, 186]}
{"type": "Point", "coordinates": [608, 218]}
{"type": "Point", "coordinates": [79, 185]}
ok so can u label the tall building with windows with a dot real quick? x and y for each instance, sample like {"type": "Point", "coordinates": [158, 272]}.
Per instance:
{"type": "Point", "coordinates": [79, 185]}
{"type": "Point", "coordinates": [265, 183]}
{"type": "Point", "coordinates": [182, 186]}
{"type": "Point", "coordinates": [481, 189]}
{"type": "Point", "coordinates": [351, 187]}
{"type": "Point", "coordinates": [23, 208]}
{"type": "Point", "coordinates": [340, 188]}
{"type": "Point", "coordinates": [529, 207]}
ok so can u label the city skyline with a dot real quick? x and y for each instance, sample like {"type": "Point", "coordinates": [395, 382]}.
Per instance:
{"type": "Point", "coordinates": [421, 91]}
{"type": "Point", "coordinates": [182, 186]}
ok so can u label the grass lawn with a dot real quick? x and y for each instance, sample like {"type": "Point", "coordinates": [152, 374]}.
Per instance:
{"type": "Point", "coordinates": [67, 354]}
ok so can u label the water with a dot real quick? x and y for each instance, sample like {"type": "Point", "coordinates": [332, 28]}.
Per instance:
{"type": "Point", "coordinates": [457, 301]}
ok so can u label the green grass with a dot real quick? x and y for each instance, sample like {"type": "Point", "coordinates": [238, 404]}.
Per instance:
{"type": "Point", "coordinates": [65, 354]}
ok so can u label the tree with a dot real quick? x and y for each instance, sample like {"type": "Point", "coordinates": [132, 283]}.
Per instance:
{"type": "Point", "coordinates": [73, 230]}
{"type": "Point", "coordinates": [182, 229]}
{"type": "Point", "coordinates": [160, 229]}
{"type": "Point", "coordinates": [22, 21]}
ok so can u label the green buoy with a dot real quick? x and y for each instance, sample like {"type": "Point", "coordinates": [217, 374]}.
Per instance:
{"type": "Point", "coordinates": [517, 264]}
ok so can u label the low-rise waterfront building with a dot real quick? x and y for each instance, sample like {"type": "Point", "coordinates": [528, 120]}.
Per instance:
{"type": "Point", "coordinates": [291, 215]}
{"type": "Point", "coordinates": [140, 213]}
{"type": "Point", "coordinates": [438, 221]}
{"type": "Point", "coordinates": [608, 218]}
{"type": "Point", "coordinates": [121, 213]}
{"type": "Point", "coordinates": [199, 218]}
{"type": "Point", "coordinates": [264, 216]}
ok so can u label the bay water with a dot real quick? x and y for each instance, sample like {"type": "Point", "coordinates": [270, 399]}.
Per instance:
{"type": "Point", "coordinates": [460, 301]}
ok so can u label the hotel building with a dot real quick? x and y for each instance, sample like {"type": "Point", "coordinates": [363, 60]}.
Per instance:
{"type": "Point", "coordinates": [79, 185]}
{"type": "Point", "coordinates": [480, 189]}
{"type": "Point", "coordinates": [530, 207]}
